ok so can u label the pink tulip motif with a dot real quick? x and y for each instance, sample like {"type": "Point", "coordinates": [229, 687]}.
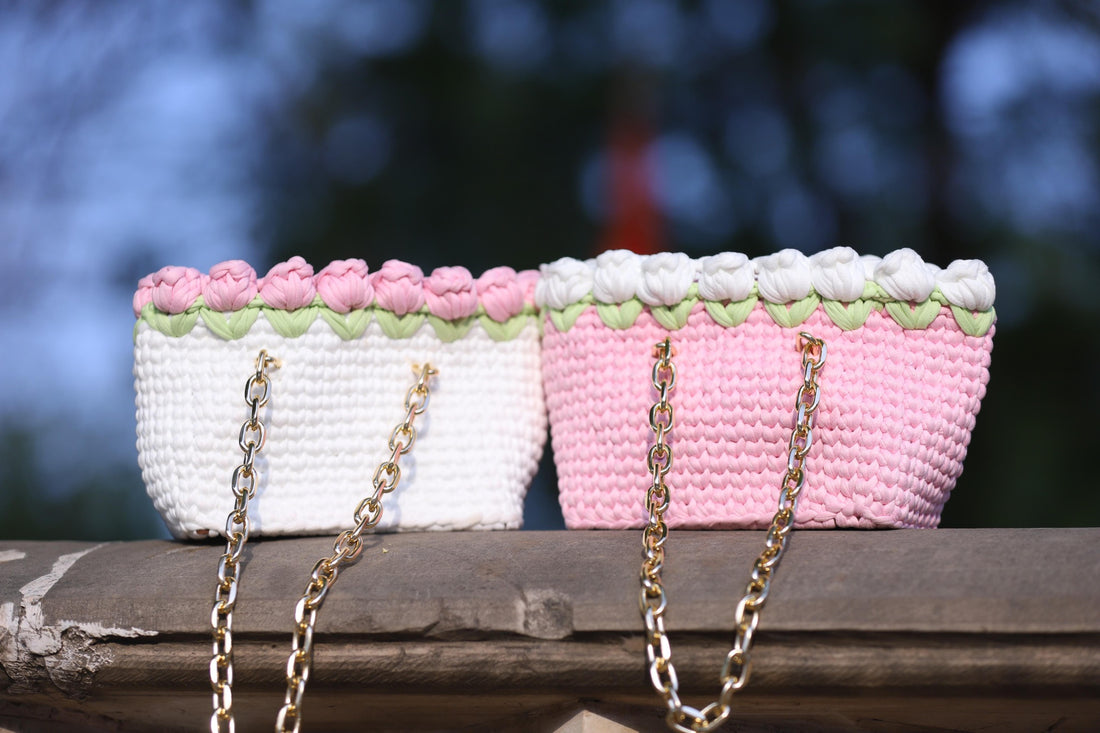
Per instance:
{"type": "Point", "coordinates": [527, 280]}
{"type": "Point", "coordinates": [143, 296]}
{"type": "Point", "coordinates": [344, 285]}
{"type": "Point", "coordinates": [500, 292]}
{"type": "Point", "coordinates": [176, 288]}
{"type": "Point", "coordinates": [450, 293]}
{"type": "Point", "coordinates": [289, 285]}
{"type": "Point", "coordinates": [398, 287]}
{"type": "Point", "coordinates": [231, 286]}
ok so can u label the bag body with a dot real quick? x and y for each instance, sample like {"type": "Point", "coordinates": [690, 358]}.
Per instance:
{"type": "Point", "coordinates": [909, 350]}
{"type": "Point", "coordinates": [347, 341]}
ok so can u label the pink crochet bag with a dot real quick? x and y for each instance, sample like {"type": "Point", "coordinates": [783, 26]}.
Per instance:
{"type": "Point", "coordinates": [909, 350]}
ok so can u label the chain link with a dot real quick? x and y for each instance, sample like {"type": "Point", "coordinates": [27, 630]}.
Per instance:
{"type": "Point", "coordinates": [653, 602]}
{"type": "Point", "coordinates": [237, 526]}
{"type": "Point", "coordinates": [345, 550]}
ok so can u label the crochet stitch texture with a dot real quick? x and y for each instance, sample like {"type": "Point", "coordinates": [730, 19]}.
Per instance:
{"type": "Point", "coordinates": [347, 339]}
{"type": "Point", "coordinates": [909, 351]}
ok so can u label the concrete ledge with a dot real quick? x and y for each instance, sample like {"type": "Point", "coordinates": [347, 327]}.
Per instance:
{"type": "Point", "coordinates": [961, 629]}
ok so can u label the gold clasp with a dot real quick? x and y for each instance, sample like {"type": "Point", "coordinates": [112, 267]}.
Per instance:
{"type": "Point", "coordinates": [264, 360]}
{"type": "Point", "coordinates": [664, 350]}
{"type": "Point", "coordinates": [812, 348]}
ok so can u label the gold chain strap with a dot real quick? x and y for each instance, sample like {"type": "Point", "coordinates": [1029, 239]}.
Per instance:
{"type": "Point", "coordinates": [237, 526]}
{"type": "Point", "coordinates": [735, 671]}
{"type": "Point", "coordinates": [346, 548]}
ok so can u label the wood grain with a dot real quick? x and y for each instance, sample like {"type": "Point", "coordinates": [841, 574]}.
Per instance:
{"type": "Point", "coordinates": [516, 630]}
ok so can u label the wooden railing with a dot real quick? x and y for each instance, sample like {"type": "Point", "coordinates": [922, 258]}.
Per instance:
{"type": "Point", "coordinates": [517, 631]}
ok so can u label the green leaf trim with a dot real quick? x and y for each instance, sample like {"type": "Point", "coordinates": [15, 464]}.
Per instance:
{"type": "Point", "coordinates": [182, 323]}
{"type": "Point", "coordinates": [506, 331]}
{"type": "Point", "coordinates": [673, 317]}
{"type": "Point", "coordinates": [564, 319]}
{"type": "Point", "coordinates": [156, 319]}
{"type": "Point", "coordinates": [231, 326]}
{"type": "Point", "coordinates": [292, 324]}
{"type": "Point", "coordinates": [399, 327]}
{"type": "Point", "coordinates": [791, 315]}
{"type": "Point", "coordinates": [849, 316]}
{"type": "Point", "coordinates": [873, 291]}
{"type": "Point", "coordinates": [348, 326]}
{"type": "Point", "coordinates": [914, 316]}
{"type": "Point", "coordinates": [730, 314]}
{"type": "Point", "coordinates": [449, 331]}
{"type": "Point", "coordinates": [527, 310]}
{"type": "Point", "coordinates": [974, 324]}
{"type": "Point", "coordinates": [620, 316]}
{"type": "Point", "coordinates": [177, 325]}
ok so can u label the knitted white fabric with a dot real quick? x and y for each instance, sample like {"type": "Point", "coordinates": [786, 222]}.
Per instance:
{"type": "Point", "coordinates": [333, 405]}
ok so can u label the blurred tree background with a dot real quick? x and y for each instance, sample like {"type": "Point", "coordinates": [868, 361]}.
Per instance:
{"type": "Point", "coordinates": [496, 132]}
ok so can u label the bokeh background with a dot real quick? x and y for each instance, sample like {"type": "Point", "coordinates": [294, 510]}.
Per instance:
{"type": "Point", "coordinates": [135, 135]}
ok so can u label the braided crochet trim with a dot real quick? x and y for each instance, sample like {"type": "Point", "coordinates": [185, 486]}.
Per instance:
{"type": "Point", "coordinates": [345, 294]}
{"type": "Point", "coordinates": [848, 316]}
{"type": "Point", "coordinates": [789, 285]}
{"type": "Point", "coordinates": [348, 326]}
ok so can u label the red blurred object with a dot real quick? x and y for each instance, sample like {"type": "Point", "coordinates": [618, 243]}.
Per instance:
{"type": "Point", "coordinates": [633, 220]}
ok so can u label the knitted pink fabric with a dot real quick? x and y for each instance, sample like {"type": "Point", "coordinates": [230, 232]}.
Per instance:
{"type": "Point", "coordinates": [896, 414]}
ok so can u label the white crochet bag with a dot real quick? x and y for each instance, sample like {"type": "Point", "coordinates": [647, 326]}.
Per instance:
{"type": "Point", "coordinates": [347, 341]}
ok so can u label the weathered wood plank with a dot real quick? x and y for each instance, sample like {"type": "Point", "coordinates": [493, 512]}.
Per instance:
{"type": "Point", "coordinates": [509, 629]}
{"type": "Point", "coordinates": [552, 584]}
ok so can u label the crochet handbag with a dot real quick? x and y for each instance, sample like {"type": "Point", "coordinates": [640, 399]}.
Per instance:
{"type": "Point", "coordinates": [909, 350]}
{"type": "Point", "coordinates": [347, 340]}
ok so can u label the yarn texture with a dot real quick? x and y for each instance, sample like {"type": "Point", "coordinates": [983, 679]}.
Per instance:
{"type": "Point", "coordinates": [337, 396]}
{"type": "Point", "coordinates": [900, 391]}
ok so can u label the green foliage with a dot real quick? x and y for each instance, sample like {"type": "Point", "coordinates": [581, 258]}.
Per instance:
{"type": "Point", "coordinates": [107, 503]}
